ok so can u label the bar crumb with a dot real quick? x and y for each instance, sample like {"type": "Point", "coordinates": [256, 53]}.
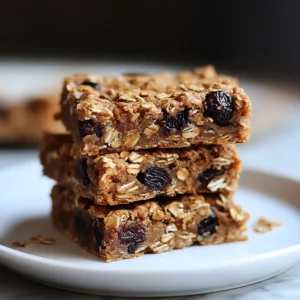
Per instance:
{"type": "Point", "coordinates": [20, 244]}
{"type": "Point", "coordinates": [36, 239]}
{"type": "Point", "coordinates": [41, 240]}
{"type": "Point", "coordinates": [263, 225]}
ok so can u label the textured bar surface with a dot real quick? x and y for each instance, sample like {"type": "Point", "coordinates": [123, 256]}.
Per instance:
{"type": "Point", "coordinates": [128, 231]}
{"type": "Point", "coordinates": [125, 177]}
{"type": "Point", "coordinates": [131, 112]}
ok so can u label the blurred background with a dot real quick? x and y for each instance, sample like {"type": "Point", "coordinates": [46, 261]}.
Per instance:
{"type": "Point", "coordinates": [44, 41]}
{"type": "Point", "coordinates": [253, 36]}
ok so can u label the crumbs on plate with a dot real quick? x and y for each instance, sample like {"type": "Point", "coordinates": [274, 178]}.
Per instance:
{"type": "Point", "coordinates": [20, 244]}
{"type": "Point", "coordinates": [40, 239]}
{"type": "Point", "coordinates": [263, 225]}
{"type": "Point", "coordinates": [36, 239]}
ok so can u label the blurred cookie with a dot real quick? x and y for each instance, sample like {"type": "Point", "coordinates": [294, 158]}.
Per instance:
{"type": "Point", "coordinates": [22, 123]}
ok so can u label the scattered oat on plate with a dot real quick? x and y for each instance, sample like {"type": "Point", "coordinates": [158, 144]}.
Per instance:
{"type": "Point", "coordinates": [263, 225]}
{"type": "Point", "coordinates": [41, 240]}
{"type": "Point", "coordinates": [36, 239]}
{"type": "Point", "coordinates": [20, 244]}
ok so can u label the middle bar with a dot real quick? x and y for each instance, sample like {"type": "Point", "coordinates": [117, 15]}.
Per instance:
{"type": "Point", "coordinates": [125, 177]}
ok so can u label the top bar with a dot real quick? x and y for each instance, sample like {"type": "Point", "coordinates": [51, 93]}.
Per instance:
{"type": "Point", "coordinates": [137, 111]}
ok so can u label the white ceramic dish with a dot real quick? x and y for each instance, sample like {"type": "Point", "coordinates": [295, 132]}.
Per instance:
{"type": "Point", "coordinates": [25, 207]}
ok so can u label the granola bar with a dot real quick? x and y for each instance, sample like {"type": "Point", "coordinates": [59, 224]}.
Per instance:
{"type": "Point", "coordinates": [22, 123]}
{"type": "Point", "coordinates": [125, 177]}
{"type": "Point", "coordinates": [131, 112]}
{"type": "Point", "coordinates": [129, 231]}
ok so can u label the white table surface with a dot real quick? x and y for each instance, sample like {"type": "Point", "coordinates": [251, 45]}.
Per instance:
{"type": "Point", "coordinates": [277, 152]}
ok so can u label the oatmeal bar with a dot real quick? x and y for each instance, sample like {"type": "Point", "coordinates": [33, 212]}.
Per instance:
{"type": "Point", "coordinates": [22, 123]}
{"type": "Point", "coordinates": [120, 178]}
{"type": "Point", "coordinates": [128, 231]}
{"type": "Point", "coordinates": [131, 112]}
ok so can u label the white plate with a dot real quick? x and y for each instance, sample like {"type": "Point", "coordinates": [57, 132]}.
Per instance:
{"type": "Point", "coordinates": [25, 207]}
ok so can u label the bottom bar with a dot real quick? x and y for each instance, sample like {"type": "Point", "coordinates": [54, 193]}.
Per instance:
{"type": "Point", "coordinates": [128, 231]}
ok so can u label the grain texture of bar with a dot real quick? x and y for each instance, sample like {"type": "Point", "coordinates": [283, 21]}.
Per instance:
{"type": "Point", "coordinates": [136, 111]}
{"type": "Point", "coordinates": [125, 177]}
{"type": "Point", "coordinates": [129, 231]}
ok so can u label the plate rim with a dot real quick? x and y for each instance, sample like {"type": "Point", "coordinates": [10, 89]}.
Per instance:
{"type": "Point", "coordinates": [70, 265]}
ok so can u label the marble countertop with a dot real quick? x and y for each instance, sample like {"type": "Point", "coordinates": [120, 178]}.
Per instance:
{"type": "Point", "coordinates": [283, 286]}
{"type": "Point", "coordinates": [276, 152]}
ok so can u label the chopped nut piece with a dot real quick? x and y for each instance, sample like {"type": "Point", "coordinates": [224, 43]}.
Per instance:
{"type": "Point", "coordinates": [112, 222]}
{"type": "Point", "coordinates": [263, 225]}
{"type": "Point", "coordinates": [182, 174]}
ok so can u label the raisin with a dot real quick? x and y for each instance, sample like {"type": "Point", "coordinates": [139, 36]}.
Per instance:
{"type": "Point", "coordinates": [94, 85]}
{"type": "Point", "coordinates": [206, 176]}
{"type": "Point", "coordinates": [87, 127]}
{"type": "Point", "coordinates": [83, 172]}
{"type": "Point", "coordinates": [219, 107]}
{"type": "Point", "coordinates": [97, 130]}
{"type": "Point", "coordinates": [155, 178]}
{"type": "Point", "coordinates": [208, 226]}
{"type": "Point", "coordinates": [98, 234]}
{"type": "Point", "coordinates": [132, 236]}
{"type": "Point", "coordinates": [174, 123]}
{"type": "Point", "coordinates": [80, 224]}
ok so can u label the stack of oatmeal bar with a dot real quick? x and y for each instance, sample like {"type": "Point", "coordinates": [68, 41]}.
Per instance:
{"type": "Point", "coordinates": [149, 164]}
